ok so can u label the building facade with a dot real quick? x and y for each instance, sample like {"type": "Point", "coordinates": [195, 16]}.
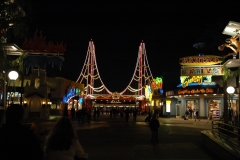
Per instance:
{"type": "Point", "coordinates": [42, 95]}
{"type": "Point", "coordinates": [201, 88]}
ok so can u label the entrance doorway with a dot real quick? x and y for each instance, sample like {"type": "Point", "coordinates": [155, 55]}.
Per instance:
{"type": "Point", "coordinates": [178, 110]}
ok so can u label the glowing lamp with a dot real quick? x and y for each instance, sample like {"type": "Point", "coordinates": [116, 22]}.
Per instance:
{"type": "Point", "coordinates": [13, 75]}
{"type": "Point", "coordinates": [230, 90]}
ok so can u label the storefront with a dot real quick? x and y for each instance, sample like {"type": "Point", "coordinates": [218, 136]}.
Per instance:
{"type": "Point", "coordinates": [200, 88]}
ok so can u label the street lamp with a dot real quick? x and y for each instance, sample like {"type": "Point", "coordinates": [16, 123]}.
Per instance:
{"type": "Point", "coordinates": [13, 75]}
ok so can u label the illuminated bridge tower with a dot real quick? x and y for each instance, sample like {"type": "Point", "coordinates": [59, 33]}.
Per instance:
{"type": "Point", "coordinates": [90, 76]}
{"type": "Point", "coordinates": [142, 74]}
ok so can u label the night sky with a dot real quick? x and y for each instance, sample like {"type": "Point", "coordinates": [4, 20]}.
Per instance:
{"type": "Point", "coordinates": [168, 28]}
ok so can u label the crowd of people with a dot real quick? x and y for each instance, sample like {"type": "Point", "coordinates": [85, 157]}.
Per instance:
{"type": "Point", "coordinates": [86, 115]}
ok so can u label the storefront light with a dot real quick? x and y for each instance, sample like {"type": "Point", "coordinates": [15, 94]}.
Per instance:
{"type": "Point", "coordinates": [230, 90]}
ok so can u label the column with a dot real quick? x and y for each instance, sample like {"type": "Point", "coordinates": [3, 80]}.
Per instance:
{"type": "Point", "coordinates": [225, 103]}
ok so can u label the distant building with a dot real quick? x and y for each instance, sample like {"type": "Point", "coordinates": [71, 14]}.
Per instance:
{"type": "Point", "coordinates": [43, 95]}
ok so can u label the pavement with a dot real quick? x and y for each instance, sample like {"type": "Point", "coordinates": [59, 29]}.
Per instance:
{"type": "Point", "coordinates": [114, 138]}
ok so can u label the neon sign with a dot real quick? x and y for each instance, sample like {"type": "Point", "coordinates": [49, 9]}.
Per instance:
{"type": "Point", "coordinates": [185, 80]}
{"type": "Point", "coordinates": [71, 93]}
{"type": "Point", "coordinates": [196, 80]}
{"type": "Point", "coordinates": [195, 91]}
{"type": "Point", "coordinates": [148, 92]}
{"type": "Point", "coordinates": [157, 84]}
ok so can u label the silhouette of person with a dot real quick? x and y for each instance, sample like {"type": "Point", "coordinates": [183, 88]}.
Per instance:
{"type": "Point", "coordinates": [16, 140]}
{"type": "Point", "coordinates": [65, 112]}
{"type": "Point", "coordinates": [154, 125]}
{"type": "Point", "coordinates": [35, 129]}
{"type": "Point", "coordinates": [73, 113]}
{"type": "Point", "coordinates": [62, 142]}
{"type": "Point", "coordinates": [127, 114]}
{"type": "Point", "coordinates": [134, 115]}
{"type": "Point", "coordinates": [197, 115]}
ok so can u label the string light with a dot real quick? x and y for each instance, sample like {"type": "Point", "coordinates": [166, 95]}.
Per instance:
{"type": "Point", "coordinates": [90, 71]}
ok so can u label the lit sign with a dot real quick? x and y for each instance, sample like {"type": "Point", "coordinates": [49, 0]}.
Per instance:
{"type": "Point", "coordinates": [196, 80]}
{"type": "Point", "coordinates": [148, 92]}
{"type": "Point", "coordinates": [157, 84]}
{"type": "Point", "coordinates": [216, 71]}
{"type": "Point", "coordinates": [71, 93]}
{"type": "Point", "coordinates": [195, 91]}
{"type": "Point", "coordinates": [113, 101]}
{"type": "Point", "coordinates": [168, 106]}
{"type": "Point", "coordinates": [200, 60]}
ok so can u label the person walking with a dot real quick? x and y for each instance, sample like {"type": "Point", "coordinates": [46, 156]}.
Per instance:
{"type": "Point", "coordinates": [186, 114]}
{"type": "Point", "coordinates": [196, 115]}
{"type": "Point", "coordinates": [134, 115]}
{"type": "Point", "coordinates": [16, 140]}
{"type": "Point", "coordinates": [154, 125]}
{"type": "Point", "coordinates": [127, 114]}
{"type": "Point", "coordinates": [62, 142]}
{"type": "Point", "coordinates": [73, 113]}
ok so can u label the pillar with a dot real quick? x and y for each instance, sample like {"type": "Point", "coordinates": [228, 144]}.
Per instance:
{"type": "Point", "coordinates": [225, 103]}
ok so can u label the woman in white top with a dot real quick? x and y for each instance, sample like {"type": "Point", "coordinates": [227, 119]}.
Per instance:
{"type": "Point", "coordinates": [62, 142]}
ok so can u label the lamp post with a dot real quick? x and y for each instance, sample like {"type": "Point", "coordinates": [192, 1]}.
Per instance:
{"type": "Point", "coordinates": [230, 91]}
{"type": "Point", "coordinates": [13, 75]}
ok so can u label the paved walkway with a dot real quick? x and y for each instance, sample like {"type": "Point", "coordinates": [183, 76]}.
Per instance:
{"type": "Point", "coordinates": [114, 138]}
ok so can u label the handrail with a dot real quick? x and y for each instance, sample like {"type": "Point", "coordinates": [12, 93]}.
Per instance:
{"type": "Point", "coordinates": [228, 132]}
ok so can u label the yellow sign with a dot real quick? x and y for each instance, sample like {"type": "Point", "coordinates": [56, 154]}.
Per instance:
{"type": "Point", "coordinates": [185, 80]}
{"type": "Point", "coordinates": [196, 80]}
{"type": "Point", "coordinates": [200, 60]}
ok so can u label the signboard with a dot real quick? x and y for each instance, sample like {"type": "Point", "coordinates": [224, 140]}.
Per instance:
{"type": "Point", "coordinates": [215, 71]}
{"type": "Point", "coordinates": [196, 81]}
{"type": "Point", "coordinates": [197, 91]}
{"type": "Point", "coordinates": [200, 60]}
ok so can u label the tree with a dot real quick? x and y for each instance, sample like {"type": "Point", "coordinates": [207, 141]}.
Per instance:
{"type": "Point", "coordinates": [13, 26]}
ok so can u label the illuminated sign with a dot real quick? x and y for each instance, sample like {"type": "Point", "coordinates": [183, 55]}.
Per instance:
{"type": "Point", "coordinates": [200, 60]}
{"type": "Point", "coordinates": [168, 106]}
{"type": "Point", "coordinates": [113, 101]}
{"type": "Point", "coordinates": [195, 91]}
{"type": "Point", "coordinates": [195, 80]}
{"type": "Point", "coordinates": [148, 92]}
{"type": "Point", "coordinates": [216, 71]}
{"type": "Point", "coordinates": [71, 93]}
{"type": "Point", "coordinates": [157, 84]}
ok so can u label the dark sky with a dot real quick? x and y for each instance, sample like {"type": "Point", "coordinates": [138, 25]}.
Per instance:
{"type": "Point", "coordinates": [168, 28]}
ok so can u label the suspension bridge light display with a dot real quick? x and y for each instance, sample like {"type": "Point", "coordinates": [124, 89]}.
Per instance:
{"type": "Point", "coordinates": [168, 106]}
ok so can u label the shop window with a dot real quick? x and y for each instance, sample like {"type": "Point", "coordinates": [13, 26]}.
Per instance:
{"type": "Point", "coordinates": [214, 109]}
